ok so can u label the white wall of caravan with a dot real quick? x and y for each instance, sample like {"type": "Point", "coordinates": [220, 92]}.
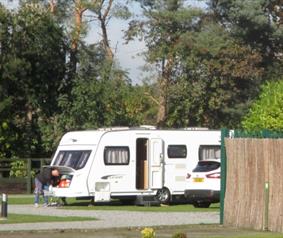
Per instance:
{"type": "Point", "coordinates": [121, 177]}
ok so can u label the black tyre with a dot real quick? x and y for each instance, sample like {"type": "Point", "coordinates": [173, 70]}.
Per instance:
{"type": "Point", "coordinates": [163, 195]}
{"type": "Point", "coordinates": [202, 204]}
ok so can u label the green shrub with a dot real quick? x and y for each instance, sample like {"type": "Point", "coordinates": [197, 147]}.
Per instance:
{"type": "Point", "coordinates": [19, 169]}
{"type": "Point", "coordinates": [267, 111]}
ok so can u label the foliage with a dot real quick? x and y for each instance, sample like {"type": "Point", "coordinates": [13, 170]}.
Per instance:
{"type": "Point", "coordinates": [105, 95]}
{"type": "Point", "coordinates": [208, 64]}
{"type": "Point", "coordinates": [39, 101]}
{"type": "Point", "coordinates": [258, 24]}
{"type": "Point", "coordinates": [8, 138]}
{"type": "Point", "coordinates": [206, 76]}
{"type": "Point", "coordinates": [252, 21]}
{"type": "Point", "coordinates": [8, 135]}
{"type": "Point", "coordinates": [219, 79]}
{"type": "Point", "coordinates": [162, 29]}
{"type": "Point", "coordinates": [31, 73]}
{"type": "Point", "coordinates": [148, 233]}
{"type": "Point", "coordinates": [18, 169]}
{"type": "Point", "coordinates": [267, 111]}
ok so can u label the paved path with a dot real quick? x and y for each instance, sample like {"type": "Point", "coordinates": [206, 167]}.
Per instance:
{"type": "Point", "coordinates": [107, 219]}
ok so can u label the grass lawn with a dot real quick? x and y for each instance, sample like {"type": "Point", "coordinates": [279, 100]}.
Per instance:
{"type": "Point", "coordinates": [20, 218]}
{"type": "Point", "coordinates": [21, 199]}
{"type": "Point", "coordinates": [83, 205]}
{"type": "Point", "coordinates": [170, 208]}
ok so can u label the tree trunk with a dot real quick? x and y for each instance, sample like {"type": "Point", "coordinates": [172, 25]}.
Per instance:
{"type": "Point", "coordinates": [29, 114]}
{"type": "Point", "coordinates": [79, 10]}
{"type": "Point", "coordinates": [105, 41]}
{"type": "Point", "coordinates": [162, 110]}
{"type": "Point", "coordinates": [102, 17]}
{"type": "Point", "coordinates": [52, 6]}
{"type": "Point", "coordinates": [164, 82]}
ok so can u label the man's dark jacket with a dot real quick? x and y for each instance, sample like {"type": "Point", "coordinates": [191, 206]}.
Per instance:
{"type": "Point", "coordinates": [45, 176]}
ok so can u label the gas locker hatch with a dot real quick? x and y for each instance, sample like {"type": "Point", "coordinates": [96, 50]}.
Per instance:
{"type": "Point", "coordinates": [156, 158]}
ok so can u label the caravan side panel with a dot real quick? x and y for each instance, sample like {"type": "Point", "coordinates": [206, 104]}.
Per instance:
{"type": "Point", "coordinates": [114, 163]}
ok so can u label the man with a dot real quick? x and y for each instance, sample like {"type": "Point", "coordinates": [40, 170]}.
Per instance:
{"type": "Point", "coordinates": [46, 177]}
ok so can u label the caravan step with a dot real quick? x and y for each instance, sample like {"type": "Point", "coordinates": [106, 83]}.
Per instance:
{"type": "Point", "coordinates": [147, 201]}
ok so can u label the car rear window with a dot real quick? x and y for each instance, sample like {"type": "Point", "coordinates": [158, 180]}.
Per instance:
{"type": "Point", "coordinates": [206, 166]}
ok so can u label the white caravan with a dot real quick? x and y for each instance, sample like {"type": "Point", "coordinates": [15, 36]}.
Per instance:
{"type": "Point", "coordinates": [128, 162]}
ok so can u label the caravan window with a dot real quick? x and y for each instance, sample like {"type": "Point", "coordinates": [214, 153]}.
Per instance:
{"type": "Point", "coordinates": [116, 155]}
{"type": "Point", "coordinates": [75, 159]}
{"type": "Point", "coordinates": [209, 152]}
{"type": "Point", "coordinates": [177, 151]}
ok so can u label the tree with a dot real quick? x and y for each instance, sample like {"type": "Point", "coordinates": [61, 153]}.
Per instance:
{"type": "Point", "coordinates": [32, 72]}
{"type": "Point", "coordinates": [100, 101]}
{"type": "Point", "coordinates": [7, 135]}
{"type": "Point", "coordinates": [165, 23]}
{"type": "Point", "coordinates": [207, 77]}
{"type": "Point", "coordinates": [267, 111]}
{"type": "Point", "coordinates": [218, 79]}
{"type": "Point", "coordinates": [258, 24]}
{"type": "Point", "coordinates": [99, 10]}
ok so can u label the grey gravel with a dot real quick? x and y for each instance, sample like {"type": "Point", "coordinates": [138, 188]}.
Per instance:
{"type": "Point", "coordinates": [107, 219]}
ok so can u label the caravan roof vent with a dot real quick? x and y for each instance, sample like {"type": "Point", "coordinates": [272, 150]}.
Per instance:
{"type": "Point", "coordinates": [196, 128]}
{"type": "Point", "coordinates": [149, 127]}
{"type": "Point", "coordinates": [113, 128]}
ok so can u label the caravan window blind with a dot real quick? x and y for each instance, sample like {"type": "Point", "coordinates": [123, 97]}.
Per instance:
{"type": "Point", "coordinates": [209, 152]}
{"type": "Point", "coordinates": [116, 155]}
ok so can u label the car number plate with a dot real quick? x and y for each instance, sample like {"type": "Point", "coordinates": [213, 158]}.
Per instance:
{"type": "Point", "coordinates": [198, 180]}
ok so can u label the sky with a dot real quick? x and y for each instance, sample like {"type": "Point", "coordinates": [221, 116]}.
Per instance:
{"type": "Point", "coordinates": [129, 56]}
{"type": "Point", "coordinates": [10, 3]}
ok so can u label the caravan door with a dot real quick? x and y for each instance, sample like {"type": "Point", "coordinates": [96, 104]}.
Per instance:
{"type": "Point", "coordinates": [156, 163]}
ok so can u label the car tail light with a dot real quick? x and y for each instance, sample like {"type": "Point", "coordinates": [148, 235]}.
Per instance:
{"type": "Point", "coordinates": [64, 183]}
{"type": "Point", "coordinates": [214, 175]}
{"type": "Point", "coordinates": [188, 176]}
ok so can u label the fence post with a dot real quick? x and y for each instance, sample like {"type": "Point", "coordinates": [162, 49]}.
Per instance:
{"type": "Point", "coordinates": [41, 163]}
{"type": "Point", "coordinates": [224, 133]}
{"type": "Point", "coordinates": [266, 206]}
{"type": "Point", "coordinates": [28, 175]}
{"type": "Point", "coordinates": [4, 206]}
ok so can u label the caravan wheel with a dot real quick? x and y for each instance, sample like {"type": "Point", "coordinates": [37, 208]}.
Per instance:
{"type": "Point", "coordinates": [163, 195]}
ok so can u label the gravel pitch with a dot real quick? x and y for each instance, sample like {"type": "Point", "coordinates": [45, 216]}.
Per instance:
{"type": "Point", "coordinates": [106, 219]}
